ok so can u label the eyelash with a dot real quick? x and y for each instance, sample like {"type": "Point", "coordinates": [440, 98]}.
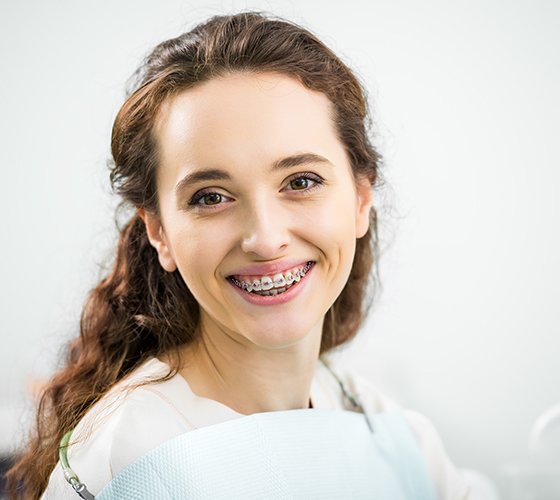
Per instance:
{"type": "Point", "coordinates": [199, 195]}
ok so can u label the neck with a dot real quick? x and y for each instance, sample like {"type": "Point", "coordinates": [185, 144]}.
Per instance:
{"type": "Point", "coordinates": [248, 378]}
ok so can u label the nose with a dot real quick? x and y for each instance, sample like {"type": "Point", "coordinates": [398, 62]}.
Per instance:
{"type": "Point", "coordinates": [266, 232]}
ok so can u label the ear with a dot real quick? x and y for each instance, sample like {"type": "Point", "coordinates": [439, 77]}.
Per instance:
{"type": "Point", "coordinates": [158, 240]}
{"type": "Point", "coordinates": [363, 207]}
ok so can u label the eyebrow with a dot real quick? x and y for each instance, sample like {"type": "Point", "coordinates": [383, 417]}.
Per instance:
{"type": "Point", "coordinates": [215, 174]}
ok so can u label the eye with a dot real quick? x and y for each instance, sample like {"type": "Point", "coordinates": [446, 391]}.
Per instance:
{"type": "Point", "coordinates": [211, 198]}
{"type": "Point", "coordinates": [207, 199]}
{"type": "Point", "coordinates": [299, 183]}
{"type": "Point", "coordinates": [306, 181]}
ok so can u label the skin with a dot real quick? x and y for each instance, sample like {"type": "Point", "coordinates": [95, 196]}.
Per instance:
{"type": "Point", "coordinates": [255, 358]}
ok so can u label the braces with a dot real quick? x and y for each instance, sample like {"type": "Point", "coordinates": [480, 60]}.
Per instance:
{"type": "Point", "coordinates": [300, 273]}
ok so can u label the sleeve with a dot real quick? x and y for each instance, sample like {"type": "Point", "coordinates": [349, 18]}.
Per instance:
{"type": "Point", "coordinates": [138, 423]}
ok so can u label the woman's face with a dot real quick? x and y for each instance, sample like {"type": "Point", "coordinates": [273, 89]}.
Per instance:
{"type": "Point", "coordinates": [259, 210]}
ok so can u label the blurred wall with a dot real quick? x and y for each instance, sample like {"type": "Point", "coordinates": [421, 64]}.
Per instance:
{"type": "Point", "coordinates": [466, 106]}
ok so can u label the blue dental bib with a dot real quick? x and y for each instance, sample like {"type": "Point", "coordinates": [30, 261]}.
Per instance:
{"type": "Point", "coordinates": [295, 454]}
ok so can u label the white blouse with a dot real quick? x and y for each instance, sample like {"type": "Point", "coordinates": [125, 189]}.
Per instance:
{"type": "Point", "coordinates": [130, 421]}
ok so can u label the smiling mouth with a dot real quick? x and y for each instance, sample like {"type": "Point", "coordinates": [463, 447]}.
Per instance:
{"type": "Point", "coordinates": [272, 285]}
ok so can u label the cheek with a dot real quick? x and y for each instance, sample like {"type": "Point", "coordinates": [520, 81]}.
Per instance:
{"type": "Point", "coordinates": [332, 219]}
{"type": "Point", "coordinates": [199, 249]}
{"type": "Point", "coordinates": [331, 227]}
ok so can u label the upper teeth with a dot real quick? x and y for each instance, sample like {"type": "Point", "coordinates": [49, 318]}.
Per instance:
{"type": "Point", "coordinates": [277, 281]}
{"type": "Point", "coordinates": [266, 283]}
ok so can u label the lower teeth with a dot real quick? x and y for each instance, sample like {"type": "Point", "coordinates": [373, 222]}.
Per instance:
{"type": "Point", "coordinates": [274, 291]}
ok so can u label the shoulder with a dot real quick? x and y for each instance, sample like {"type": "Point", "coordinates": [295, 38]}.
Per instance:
{"type": "Point", "coordinates": [148, 418]}
{"type": "Point", "coordinates": [124, 425]}
{"type": "Point", "coordinates": [448, 481]}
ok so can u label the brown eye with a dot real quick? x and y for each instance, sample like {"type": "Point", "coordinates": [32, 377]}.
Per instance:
{"type": "Point", "coordinates": [208, 200]}
{"type": "Point", "coordinates": [212, 198]}
{"type": "Point", "coordinates": [299, 183]}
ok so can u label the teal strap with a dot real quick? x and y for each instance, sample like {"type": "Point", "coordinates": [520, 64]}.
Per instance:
{"type": "Point", "coordinates": [69, 474]}
{"type": "Point", "coordinates": [355, 404]}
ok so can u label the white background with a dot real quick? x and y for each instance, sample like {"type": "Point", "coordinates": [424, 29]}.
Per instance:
{"type": "Point", "coordinates": [466, 104]}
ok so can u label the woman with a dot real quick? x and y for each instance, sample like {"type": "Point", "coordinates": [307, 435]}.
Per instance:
{"type": "Point", "coordinates": [244, 151]}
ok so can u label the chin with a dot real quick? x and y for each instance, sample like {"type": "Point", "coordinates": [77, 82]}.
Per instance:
{"type": "Point", "coordinates": [283, 336]}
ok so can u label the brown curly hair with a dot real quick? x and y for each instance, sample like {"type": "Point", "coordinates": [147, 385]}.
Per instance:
{"type": "Point", "coordinates": [139, 310]}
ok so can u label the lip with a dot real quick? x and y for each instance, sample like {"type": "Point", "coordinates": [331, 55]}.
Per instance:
{"type": "Point", "coordinates": [270, 268]}
{"type": "Point", "coordinates": [273, 300]}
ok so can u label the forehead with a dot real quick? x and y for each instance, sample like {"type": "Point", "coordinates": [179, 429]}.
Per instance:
{"type": "Point", "coordinates": [244, 118]}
